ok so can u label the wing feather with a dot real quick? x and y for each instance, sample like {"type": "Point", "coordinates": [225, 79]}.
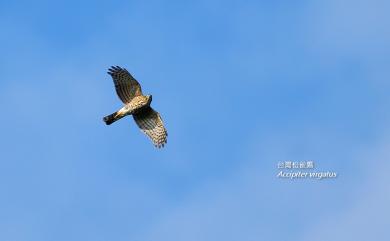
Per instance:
{"type": "Point", "coordinates": [125, 85]}
{"type": "Point", "coordinates": [150, 122]}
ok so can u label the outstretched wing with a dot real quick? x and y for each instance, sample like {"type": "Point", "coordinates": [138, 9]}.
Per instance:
{"type": "Point", "coordinates": [125, 85]}
{"type": "Point", "coordinates": [150, 122]}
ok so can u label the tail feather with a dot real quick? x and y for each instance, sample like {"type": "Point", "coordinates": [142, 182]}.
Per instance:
{"type": "Point", "coordinates": [111, 118]}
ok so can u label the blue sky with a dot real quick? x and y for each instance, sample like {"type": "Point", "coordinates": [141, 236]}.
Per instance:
{"type": "Point", "coordinates": [240, 85]}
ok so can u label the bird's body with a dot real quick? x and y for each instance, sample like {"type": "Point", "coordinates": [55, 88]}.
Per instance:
{"type": "Point", "coordinates": [138, 105]}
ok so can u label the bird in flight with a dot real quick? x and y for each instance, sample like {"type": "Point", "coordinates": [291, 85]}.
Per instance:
{"type": "Point", "coordinates": [137, 105]}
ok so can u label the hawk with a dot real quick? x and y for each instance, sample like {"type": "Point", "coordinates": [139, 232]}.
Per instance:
{"type": "Point", "coordinates": [137, 105]}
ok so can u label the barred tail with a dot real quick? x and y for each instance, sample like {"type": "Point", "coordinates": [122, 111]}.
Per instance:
{"type": "Point", "coordinates": [111, 118]}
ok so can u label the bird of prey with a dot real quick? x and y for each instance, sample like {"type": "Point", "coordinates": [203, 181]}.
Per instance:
{"type": "Point", "coordinates": [137, 105]}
